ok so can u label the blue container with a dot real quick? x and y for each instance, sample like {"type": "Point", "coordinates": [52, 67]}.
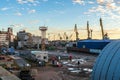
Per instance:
{"type": "Point", "coordinates": [92, 44]}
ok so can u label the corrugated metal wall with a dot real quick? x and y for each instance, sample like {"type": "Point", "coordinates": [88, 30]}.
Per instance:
{"type": "Point", "coordinates": [107, 65]}
{"type": "Point", "coordinates": [98, 44]}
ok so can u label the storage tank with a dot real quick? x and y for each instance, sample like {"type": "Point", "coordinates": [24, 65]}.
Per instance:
{"type": "Point", "coordinates": [107, 65]}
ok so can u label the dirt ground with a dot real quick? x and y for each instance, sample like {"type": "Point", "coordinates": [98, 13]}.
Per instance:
{"type": "Point", "coordinates": [56, 73]}
{"type": "Point", "coordinates": [62, 73]}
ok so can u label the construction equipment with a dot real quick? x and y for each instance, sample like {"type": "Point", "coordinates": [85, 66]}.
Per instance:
{"type": "Point", "coordinates": [88, 30]}
{"type": "Point", "coordinates": [59, 36]}
{"type": "Point", "coordinates": [70, 36]}
{"type": "Point", "coordinates": [102, 28]}
{"type": "Point", "coordinates": [104, 36]}
{"type": "Point", "coordinates": [65, 36]}
{"type": "Point", "coordinates": [91, 33]}
{"type": "Point", "coordinates": [76, 32]}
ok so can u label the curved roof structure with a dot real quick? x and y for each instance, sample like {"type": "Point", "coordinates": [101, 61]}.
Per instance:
{"type": "Point", "coordinates": [107, 65]}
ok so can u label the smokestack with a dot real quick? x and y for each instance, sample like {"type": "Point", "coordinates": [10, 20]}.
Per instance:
{"type": "Point", "coordinates": [102, 28]}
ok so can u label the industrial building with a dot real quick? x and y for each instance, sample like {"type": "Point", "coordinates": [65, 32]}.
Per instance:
{"type": "Point", "coordinates": [6, 37]}
{"type": "Point", "coordinates": [24, 39]}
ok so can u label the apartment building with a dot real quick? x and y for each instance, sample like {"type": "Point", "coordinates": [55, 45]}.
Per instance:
{"type": "Point", "coordinates": [6, 37]}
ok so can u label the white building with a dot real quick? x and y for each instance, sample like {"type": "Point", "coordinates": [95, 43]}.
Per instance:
{"type": "Point", "coordinates": [36, 39]}
{"type": "Point", "coordinates": [24, 39]}
{"type": "Point", "coordinates": [6, 37]}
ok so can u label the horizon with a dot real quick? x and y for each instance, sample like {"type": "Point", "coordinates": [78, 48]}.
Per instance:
{"type": "Point", "coordinates": [61, 15]}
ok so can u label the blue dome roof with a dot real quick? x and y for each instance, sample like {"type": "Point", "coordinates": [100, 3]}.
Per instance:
{"type": "Point", "coordinates": [107, 65]}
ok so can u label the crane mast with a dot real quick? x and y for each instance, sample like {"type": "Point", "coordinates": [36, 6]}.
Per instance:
{"type": "Point", "coordinates": [76, 32]}
{"type": "Point", "coordinates": [88, 30]}
{"type": "Point", "coordinates": [59, 36]}
{"type": "Point", "coordinates": [102, 28]}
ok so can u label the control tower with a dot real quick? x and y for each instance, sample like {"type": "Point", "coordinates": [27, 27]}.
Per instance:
{"type": "Point", "coordinates": [43, 30]}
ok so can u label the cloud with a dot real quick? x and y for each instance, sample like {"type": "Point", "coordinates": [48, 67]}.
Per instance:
{"type": "Point", "coordinates": [27, 1]}
{"type": "Point", "coordinates": [21, 1]}
{"type": "Point", "coordinates": [78, 1]}
{"type": "Point", "coordinates": [111, 5]}
{"type": "Point", "coordinates": [105, 1]}
{"type": "Point", "coordinates": [32, 11]}
{"type": "Point", "coordinates": [17, 25]}
{"type": "Point", "coordinates": [82, 2]}
{"type": "Point", "coordinates": [18, 14]}
{"type": "Point", "coordinates": [118, 2]}
{"type": "Point", "coordinates": [4, 8]}
{"type": "Point", "coordinates": [106, 8]}
{"type": "Point", "coordinates": [100, 1]}
{"type": "Point", "coordinates": [99, 9]}
{"type": "Point", "coordinates": [90, 2]}
{"type": "Point", "coordinates": [30, 1]}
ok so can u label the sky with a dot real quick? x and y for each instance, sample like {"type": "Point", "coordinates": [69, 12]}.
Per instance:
{"type": "Point", "coordinates": [60, 16]}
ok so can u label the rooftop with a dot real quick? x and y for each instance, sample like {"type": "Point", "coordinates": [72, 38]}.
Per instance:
{"type": "Point", "coordinates": [5, 75]}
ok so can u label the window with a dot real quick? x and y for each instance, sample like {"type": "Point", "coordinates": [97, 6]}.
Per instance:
{"type": "Point", "coordinates": [45, 57]}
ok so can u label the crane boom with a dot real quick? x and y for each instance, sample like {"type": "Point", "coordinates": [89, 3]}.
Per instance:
{"type": "Point", "coordinates": [76, 31]}
{"type": "Point", "coordinates": [102, 28]}
{"type": "Point", "coordinates": [88, 30]}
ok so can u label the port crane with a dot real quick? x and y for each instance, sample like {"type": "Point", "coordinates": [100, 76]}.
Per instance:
{"type": "Point", "coordinates": [104, 36]}
{"type": "Point", "coordinates": [101, 25]}
{"type": "Point", "coordinates": [65, 36]}
{"type": "Point", "coordinates": [59, 36]}
{"type": "Point", "coordinates": [70, 36]}
{"type": "Point", "coordinates": [76, 32]}
{"type": "Point", "coordinates": [89, 31]}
